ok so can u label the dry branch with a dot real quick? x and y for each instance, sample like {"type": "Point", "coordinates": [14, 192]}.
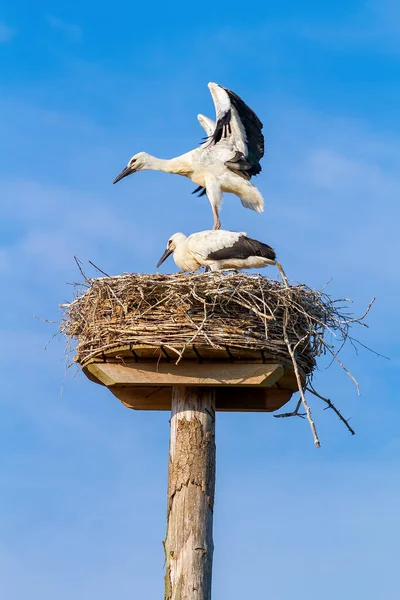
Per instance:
{"type": "Point", "coordinates": [298, 379]}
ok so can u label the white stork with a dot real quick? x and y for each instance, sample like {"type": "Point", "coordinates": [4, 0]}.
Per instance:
{"type": "Point", "coordinates": [225, 162]}
{"type": "Point", "coordinates": [217, 250]}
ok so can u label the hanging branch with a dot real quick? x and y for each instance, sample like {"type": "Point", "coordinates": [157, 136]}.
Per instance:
{"type": "Point", "coordinates": [335, 356]}
{"type": "Point", "coordinates": [330, 404]}
{"type": "Point", "coordinates": [299, 382]}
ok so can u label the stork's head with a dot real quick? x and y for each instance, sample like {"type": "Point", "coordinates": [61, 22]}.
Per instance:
{"type": "Point", "coordinates": [172, 243]}
{"type": "Point", "coordinates": [138, 162]}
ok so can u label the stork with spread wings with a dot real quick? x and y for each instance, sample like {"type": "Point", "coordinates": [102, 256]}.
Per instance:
{"type": "Point", "coordinates": [225, 162]}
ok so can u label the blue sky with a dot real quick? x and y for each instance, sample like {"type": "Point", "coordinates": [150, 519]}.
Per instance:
{"type": "Point", "coordinates": [83, 480]}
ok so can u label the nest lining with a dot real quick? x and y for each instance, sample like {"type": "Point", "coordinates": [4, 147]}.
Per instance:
{"type": "Point", "coordinates": [217, 310]}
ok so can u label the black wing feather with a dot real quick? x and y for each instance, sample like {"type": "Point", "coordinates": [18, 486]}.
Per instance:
{"type": "Point", "coordinates": [253, 127]}
{"type": "Point", "coordinates": [222, 127]}
{"type": "Point", "coordinates": [201, 190]}
{"type": "Point", "coordinates": [244, 247]}
{"type": "Point", "coordinates": [250, 164]}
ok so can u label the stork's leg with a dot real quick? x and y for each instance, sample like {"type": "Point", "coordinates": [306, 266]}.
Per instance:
{"type": "Point", "coordinates": [214, 194]}
{"type": "Point", "coordinates": [217, 222]}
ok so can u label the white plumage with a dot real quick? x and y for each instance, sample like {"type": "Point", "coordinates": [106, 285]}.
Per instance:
{"type": "Point", "coordinates": [225, 162]}
{"type": "Point", "coordinates": [218, 250]}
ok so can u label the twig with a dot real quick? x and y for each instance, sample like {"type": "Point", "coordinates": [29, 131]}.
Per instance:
{"type": "Point", "coordinates": [341, 364]}
{"type": "Point", "coordinates": [299, 383]}
{"type": "Point", "coordinates": [79, 264]}
{"type": "Point", "coordinates": [360, 319]}
{"type": "Point", "coordinates": [98, 268]}
{"type": "Point", "coordinates": [330, 404]}
{"type": "Point", "coordinates": [368, 348]}
{"type": "Point", "coordinates": [326, 284]}
{"type": "Point", "coordinates": [46, 320]}
{"type": "Point", "coordinates": [294, 413]}
{"type": "Point", "coordinates": [193, 338]}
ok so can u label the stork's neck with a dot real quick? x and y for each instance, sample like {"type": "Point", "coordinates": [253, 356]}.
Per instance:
{"type": "Point", "coordinates": [183, 258]}
{"type": "Point", "coordinates": [181, 165]}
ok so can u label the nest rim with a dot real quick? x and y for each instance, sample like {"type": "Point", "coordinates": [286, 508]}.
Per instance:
{"type": "Point", "coordinates": [126, 295]}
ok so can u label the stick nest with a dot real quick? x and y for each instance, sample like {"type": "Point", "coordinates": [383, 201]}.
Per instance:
{"type": "Point", "coordinates": [217, 310]}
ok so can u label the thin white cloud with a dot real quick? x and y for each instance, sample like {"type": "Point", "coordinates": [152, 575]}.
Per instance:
{"type": "Point", "coordinates": [71, 30]}
{"type": "Point", "coordinates": [59, 223]}
{"type": "Point", "coordinates": [6, 33]}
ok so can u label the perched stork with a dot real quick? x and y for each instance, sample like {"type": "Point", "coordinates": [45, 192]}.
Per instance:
{"type": "Point", "coordinates": [225, 162]}
{"type": "Point", "coordinates": [218, 250]}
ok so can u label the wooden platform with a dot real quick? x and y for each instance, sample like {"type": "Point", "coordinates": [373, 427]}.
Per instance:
{"type": "Point", "coordinates": [141, 377]}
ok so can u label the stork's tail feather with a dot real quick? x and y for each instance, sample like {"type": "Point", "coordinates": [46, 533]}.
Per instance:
{"type": "Point", "coordinates": [257, 207]}
{"type": "Point", "coordinates": [250, 197]}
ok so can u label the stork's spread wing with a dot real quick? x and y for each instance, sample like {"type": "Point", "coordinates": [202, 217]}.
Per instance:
{"type": "Point", "coordinates": [239, 125]}
{"type": "Point", "coordinates": [207, 124]}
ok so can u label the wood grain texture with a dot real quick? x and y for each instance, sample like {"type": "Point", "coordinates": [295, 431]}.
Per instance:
{"type": "Point", "coordinates": [186, 373]}
{"type": "Point", "coordinates": [231, 398]}
{"type": "Point", "coordinates": [191, 485]}
{"type": "Point", "coordinates": [242, 386]}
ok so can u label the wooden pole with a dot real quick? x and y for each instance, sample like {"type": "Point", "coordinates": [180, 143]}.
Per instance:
{"type": "Point", "coordinates": [191, 484]}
